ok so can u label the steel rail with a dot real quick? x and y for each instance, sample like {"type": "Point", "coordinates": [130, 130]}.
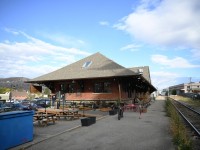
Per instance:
{"type": "Point", "coordinates": [187, 107]}
{"type": "Point", "coordinates": [193, 127]}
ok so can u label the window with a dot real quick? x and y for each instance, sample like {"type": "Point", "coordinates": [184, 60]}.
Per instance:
{"type": "Point", "coordinates": [63, 87]}
{"type": "Point", "coordinates": [87, 64]}
{"type": "Point", "coordinates": [71, 88]}
{"type": "Point", "coordinates": [80, 87]}
{"type": "Point", "coordinates": [102, 87]}
{"type": "Point", "coordinates": [98, 87]}
{"type": "Point", "coordinates": [107, 87]}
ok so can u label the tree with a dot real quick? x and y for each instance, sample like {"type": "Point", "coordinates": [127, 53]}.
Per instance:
{"type": "Point", "coordinates": [47, 91]}
{"type": "Point", "coordinates": [4, 90]}
{"type": "Point", "coordinates": [166, 94]}
{"type": "Point", "coordinates": [173, 92]}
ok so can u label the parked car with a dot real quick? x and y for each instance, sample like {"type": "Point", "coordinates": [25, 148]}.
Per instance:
{"type": "Point", "coordinates": [4, 108]}
{"type": "Point", "coordinates": [20, 106]}
{"type": "Point", "coordinates": [34, 106]}
{"type": "Point", "coordinates": [26, 102]}
{"type": "Point", "coordinates": [43, 103]}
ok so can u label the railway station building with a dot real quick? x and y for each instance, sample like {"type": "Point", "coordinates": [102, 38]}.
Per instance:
{"type": "Point", "coordinates": [192, 87]}
{"type": "Point", "coordinates": [97, 78]}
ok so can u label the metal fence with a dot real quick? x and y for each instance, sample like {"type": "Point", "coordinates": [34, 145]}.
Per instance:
{"type": "Point", "coordinates": [194, 96]}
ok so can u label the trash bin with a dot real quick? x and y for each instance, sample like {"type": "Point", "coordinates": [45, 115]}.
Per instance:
{"type": "Point", "coordinates": [16, 128]}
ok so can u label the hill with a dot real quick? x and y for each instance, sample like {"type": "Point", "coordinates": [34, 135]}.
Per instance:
{"type": "Point", "coordinates": [15, 83]}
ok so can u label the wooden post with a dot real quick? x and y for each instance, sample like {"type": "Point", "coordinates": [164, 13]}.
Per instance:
{"type": "Point", "coordinates": [59, 98]}
{"type": "Point", "coordinates": [63, 98]}
{"type": "Point", "coordinates": [119, 86]}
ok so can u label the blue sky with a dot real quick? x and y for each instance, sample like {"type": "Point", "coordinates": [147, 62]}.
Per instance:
{"type": "Point", "coordinates": [37, 37]}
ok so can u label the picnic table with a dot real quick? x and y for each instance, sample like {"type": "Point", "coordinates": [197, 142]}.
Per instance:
{"type": "Point", "coordinates": [66, 113]}
{"type": "Point", "coordinates": [44, 118]}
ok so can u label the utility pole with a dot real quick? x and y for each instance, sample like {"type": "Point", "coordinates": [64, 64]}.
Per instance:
{"type": "Point", "coordinates": [190, 84]}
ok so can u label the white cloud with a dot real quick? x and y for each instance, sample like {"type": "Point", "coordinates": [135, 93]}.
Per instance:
{"type": "Point", "coordinates": [167, 23]}
{"type": "Point", "coordinates": [196, 53]}
{"type": "Point", "coordinates": [62, 39]}
{"type": "Point", "coordinates": [131, 47]}
{"type": "Point", "coordinates": [33, 57]}
{"type": "Point", "coordinates": [12, 31]}
{"type": "Point", "coordinates": [165, 74]}
{"type": "Point", "coordinates": [162, 79]}
{"type": "Point", "coordinates": [177, 62]}
{"type": "Point", "coordinates": [104, 23]}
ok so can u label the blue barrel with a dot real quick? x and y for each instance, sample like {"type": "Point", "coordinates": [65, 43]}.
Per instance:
{"type": "Point", "coordinates": [16, 128]}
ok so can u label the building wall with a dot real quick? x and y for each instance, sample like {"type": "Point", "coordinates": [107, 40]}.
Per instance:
{"type": "Point", "coordinates": [89, 94]}
{"type": "Point", "coordinates": [192, 87]}
{"type": "Point", "coordinates": [186, 88]}
{"type": "Point", "coordinates": [19, 95]}
{"type": "Point", "coordinates": [5, 96]}
{"type": "Point", "coordinates": [35, 89]}
{"type": "Point", "coordinates": [179, 88]}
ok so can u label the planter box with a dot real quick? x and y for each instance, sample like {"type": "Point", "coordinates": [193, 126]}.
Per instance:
{"type": "Point", "coordinates": [111, 112]}
{"type": "Point", "coordinates": [92, 119]}
{"type": "Point", "coordinates": [86, 122]}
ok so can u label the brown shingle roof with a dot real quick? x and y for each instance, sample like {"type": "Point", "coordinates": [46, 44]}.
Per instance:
{"type": "Point", "coordinates": [100, 66]}
{"type": "Point", "coordinates": [145, 72]}
{"type": "Point", "coordinates": [19, 93]}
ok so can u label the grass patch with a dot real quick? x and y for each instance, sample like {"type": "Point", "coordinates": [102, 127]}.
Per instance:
{"type": "Point", "coordinates": [178, 130]}
{"type": "Point", "coordinates": [187, 100]}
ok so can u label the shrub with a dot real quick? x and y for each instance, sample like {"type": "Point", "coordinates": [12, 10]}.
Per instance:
{"type": "Point", "coordinates": [178, 130]}
{"type": "Point", "coordinates": [173, 92]}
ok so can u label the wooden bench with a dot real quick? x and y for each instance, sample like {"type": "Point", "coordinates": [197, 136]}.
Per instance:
{"type": "Point", "coordinates": [44, 119]}
{"type": "Point", "coordinates": [77, 116]}
{"type": "Point", "coordinates": [66, 116]}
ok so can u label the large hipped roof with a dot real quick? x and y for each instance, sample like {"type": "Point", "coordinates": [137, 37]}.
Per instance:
{"type": "Point", "coordinates": [99, 66]}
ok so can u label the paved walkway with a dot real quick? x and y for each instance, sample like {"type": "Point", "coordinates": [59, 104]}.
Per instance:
{"type": "Point", "coordinates": [149, 133]}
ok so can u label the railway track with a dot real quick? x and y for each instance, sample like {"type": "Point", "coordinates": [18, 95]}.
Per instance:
{"type": "Point", "coordinates": [191, 116]}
